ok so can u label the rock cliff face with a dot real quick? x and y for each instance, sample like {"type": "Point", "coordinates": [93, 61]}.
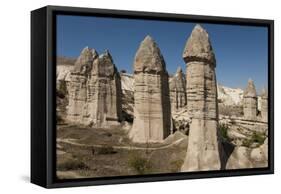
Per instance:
{"type": "Point", "coordinates": [264, 105]}
{"type": "Point", "coordinates": [95, 90]}
{"type": "Point", "coordinates": [152, 113]}
{"type": "Point", "coordinates": [250, 101]}
{"type": "Point", "coordinates": [201, 89]}
{"type": "Point", "coordinates": [177, 91]}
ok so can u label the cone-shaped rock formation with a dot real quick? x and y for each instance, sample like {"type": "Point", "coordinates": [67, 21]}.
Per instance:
{"type": "Point", "coordinates": [78, 86]}
{"type": "Point", "coordinates": [152, 113]}
{"type": "Point", "coordinates": [99, 82]}
{"type": "Point", "coordinates": [203, 146]}
{"type": "Point", "coordinates": [264, 105]}
{"type": "Point", "coordinates": [177, 90]}
{"type": "Point", "coordinates": [250, 101]}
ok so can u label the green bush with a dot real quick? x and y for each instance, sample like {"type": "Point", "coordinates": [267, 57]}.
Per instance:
{"type": "Point", "coordinates": [176, 165]}
{"type": "Point", "coordinates": [223, 128]}
{"type": "Point", "coordinates": [255, 138]}
{"type": "Point", "coordinates": [104, 150]}
{"type": "Point", "coordinates": [139, 164]}
{"type": "Point", "coordinates": [72, 165]}
{"type": "Point", "coordinates": [258, 138]}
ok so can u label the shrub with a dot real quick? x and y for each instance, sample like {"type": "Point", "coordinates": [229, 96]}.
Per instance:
{"type": "Point", "coordinates": [258, 138]}
{"type": "Point", "coordinates": [139, 164]}
{"type": "Point", "coordinates": [72, 165]}
{"type": "Point", "coordinates": [104, 150]}
{"type": "Point", "coordinates": [223, 128]}
{"type": "Point", "coordinates": [176, 165]}
{"type": "Point", "coordinates": [255, 138]}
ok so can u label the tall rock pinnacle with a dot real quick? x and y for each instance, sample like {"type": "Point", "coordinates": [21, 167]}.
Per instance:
{"type": "Point", "coordinates": [177, 90]}
{"type": "Point", "coordinates": [104, 93]}
{"type": "Point", "coordinates": [78, 86]}
{"type": "Point", "coordinates": [95, 90]}
{"type": "Point", "coordinates": [264, 105]}
{"type": "Point", "coordinates": [152, 112]}
{"type": "Point", "coordinates": [203, 146]}
{"type": "Point", "coordinates": [250, 101]}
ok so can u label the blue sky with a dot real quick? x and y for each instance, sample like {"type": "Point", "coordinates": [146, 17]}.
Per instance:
{"type": "Point", "coordinates": [241, 51]}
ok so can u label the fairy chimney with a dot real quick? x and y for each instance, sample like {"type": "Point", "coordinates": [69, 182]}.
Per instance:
{"type": "Point", "coordinates": [177, 90]}
{"type": "Point", "coordinates": [95, 90]}
{"type": "Point", "coordinates": [152, 113]}
{"type": "Point", "coordinates": [104, 93]}
{"type": "Point", "coordinates": [78, 85]}
{"type": "Point", "coordinates": [203, 146]}
{"type": "Point", "coordinates": [264, 105]}
{"type": "Point", "coordinates": [250, 101]}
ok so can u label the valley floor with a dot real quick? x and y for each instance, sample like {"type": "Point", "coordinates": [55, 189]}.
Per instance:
{"type": "Point", "coordinates": [96, 152]}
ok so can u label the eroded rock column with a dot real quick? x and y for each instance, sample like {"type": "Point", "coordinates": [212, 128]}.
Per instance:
{"type": "Point", "coordinates": [95, 91]}
{"type": "Point", "coordinates": [104, 93]}
{"type": "Point", "coordinates": [78, 86]}
{"type": "Point", "coordinates": [203, 146]}
{"type": "Point", "coordinates": [177, 90]}
{"type": "Point", "coordinates": [152, 113]}
{"type": "Point", "coordinates": [250, 101]}
{"type": "Point", "coordinates": [264, 105]}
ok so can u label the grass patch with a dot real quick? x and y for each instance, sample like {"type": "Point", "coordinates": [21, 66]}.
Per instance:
{"type": "Point", "coordinates": [104, 150]}
{"type": "Point", "coordinates": [139, 164]}
{"type": "Point", "coordinates": [176, 165]}
{"type": "Point", "coordinates": [223, 128]}
{"type": "Point", "coordinates": [72, 165]}
{"type": "Point", "coordinates": [256, 137]}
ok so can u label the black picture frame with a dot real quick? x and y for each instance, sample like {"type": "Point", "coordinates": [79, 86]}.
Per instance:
{"type": "Point", "coordinates": [43, 104]}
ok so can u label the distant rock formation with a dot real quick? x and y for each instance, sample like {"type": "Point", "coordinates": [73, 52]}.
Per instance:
{"type": "Point", "coordinates": [95, 90]}
{"type": "Point", "coordinates": [177, 90]}
{"type": "Point", "coordinates": [264, 105]}
{"type": "Point", "coordinates": [250, 101]}
{"type": "Point", "coordinates": [201, 89]}
{"type": "Point", "coordinates": [152, 112]}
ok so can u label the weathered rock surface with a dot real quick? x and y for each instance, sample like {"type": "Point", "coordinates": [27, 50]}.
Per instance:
{"type": "Point", "coordinates": [104, 93]}
{"type": "Point", "coordinates": [264, 105]}
{"type": "Point", "coordinates": [245, 157]}
{"type": "Point", "coordinates": [250, 101]}
{"type": "Point", "coordinates": [177, 91]}
{"type": "Point", "coordinates": [95, 90]}
{"type": "Point", "coordinates": [78, 86]}
{"type": "Point", "coordinates": [152, 113]}
{"type": "Point", "coordinates": [201, 88]}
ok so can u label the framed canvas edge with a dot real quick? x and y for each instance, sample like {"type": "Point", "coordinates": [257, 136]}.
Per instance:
{"type": "Point", "coordinates": [52, 182]}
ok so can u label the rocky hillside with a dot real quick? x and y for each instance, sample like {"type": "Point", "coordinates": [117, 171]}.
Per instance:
{"type": "Point", "coordinates": [226, 95]}
{"type": "Point", "coordinates": [230, 96]}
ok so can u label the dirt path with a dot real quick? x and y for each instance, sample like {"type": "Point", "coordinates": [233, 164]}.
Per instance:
{"type": "Point", "coordinates": [72, 142]}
